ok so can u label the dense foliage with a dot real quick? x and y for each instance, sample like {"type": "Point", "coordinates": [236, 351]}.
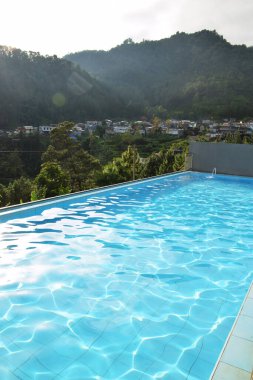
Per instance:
{"type": "Point", "coordinates": [187, 75]}
{"type": "Point", "coordinates": [77, 163]}
{"type": "Point", "coordinates": [109, 147]}
{"type": "Point", "coordinates": [66, 166]}
{"type": "Point", "coordinates": [38, 90]}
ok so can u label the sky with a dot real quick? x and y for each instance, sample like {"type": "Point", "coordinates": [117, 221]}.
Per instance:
{"type": "Point", "coordinates": [64, 26]}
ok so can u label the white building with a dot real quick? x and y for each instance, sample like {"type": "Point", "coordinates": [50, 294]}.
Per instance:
{"type": "Point", "coordinates": [120, 129]}
{"type": "Point", "coordinates": [175, 132]}
{"type": "Point", "coordinates": [46, 129]}
{"type": "Point", "coordinates": [27, 130]}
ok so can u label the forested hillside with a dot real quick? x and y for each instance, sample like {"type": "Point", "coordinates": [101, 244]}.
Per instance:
{"type": "Point", "coordinates": [35, 90]}
{"type": "Point", "coordinates": [187, 75]}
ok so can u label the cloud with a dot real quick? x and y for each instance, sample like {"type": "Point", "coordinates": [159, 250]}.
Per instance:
{"type": "Point", "coordinates": [156, 19]}
{"type": "Point", "coordinates": [150, 11]}
{"type": "Point", "coordinates": [60, 26]}
{"type": "Point", "coordinates": [231, 18]}
{"type": "Point", "coordinates": [153, 19]}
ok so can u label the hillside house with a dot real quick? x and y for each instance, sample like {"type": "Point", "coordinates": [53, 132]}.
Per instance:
{"type": "Point", "coordinates": [46, 129]}
{"type": "Point", "coordinates": [27, 130]}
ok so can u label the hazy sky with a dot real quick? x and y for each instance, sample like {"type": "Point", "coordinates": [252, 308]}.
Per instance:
{"type": "Point", "coordinates": [62, 26]}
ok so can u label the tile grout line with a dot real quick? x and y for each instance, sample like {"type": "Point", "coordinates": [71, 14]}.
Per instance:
{"type": "Point", "coordinates": [239, 337]}
{"type": "Point", "coordinates": [234, 366]}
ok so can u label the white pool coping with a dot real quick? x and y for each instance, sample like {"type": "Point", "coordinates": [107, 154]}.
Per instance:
{"type": "Point", "coordinates": [236, 358]}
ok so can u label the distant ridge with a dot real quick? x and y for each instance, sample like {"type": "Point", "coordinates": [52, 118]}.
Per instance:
{"type": "Point", "coordinates": [35, 89]}
{"type": "Point", "coordinates": [186, 75]}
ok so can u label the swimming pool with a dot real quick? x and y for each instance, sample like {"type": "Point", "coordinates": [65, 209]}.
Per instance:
{"type": "Point", "coordinates": [141, 281]}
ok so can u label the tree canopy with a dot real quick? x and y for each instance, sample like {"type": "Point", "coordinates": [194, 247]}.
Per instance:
{"type": "Point", "coordinates": [72, 158]}
{"type": "Point", "coordinates": [51, 181]}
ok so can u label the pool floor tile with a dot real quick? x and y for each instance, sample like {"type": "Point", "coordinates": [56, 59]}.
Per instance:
{"type": "Point", "coordinates": [5, 374]}
{"type": "Point", "coordinates": [73, 373]}
{"type": "Point", "coordinates": [14, 360]}
{"type": "Point", "coordinates": [200, 366]}
{"type": "Point", "coordinates": [44, 376]}
{"type": "Point", "coordinates": [45, 361]}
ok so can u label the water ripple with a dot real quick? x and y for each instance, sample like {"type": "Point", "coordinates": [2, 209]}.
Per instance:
{"type": "Point", "coordinates": [140, 282]}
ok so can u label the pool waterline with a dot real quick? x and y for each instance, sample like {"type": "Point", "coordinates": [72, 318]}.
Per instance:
{"type": "Point", "coordinates": [126, 287]}
{"type": "Point", "coordinates": [59, 198]}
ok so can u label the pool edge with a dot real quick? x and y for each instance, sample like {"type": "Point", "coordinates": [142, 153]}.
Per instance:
{"type": "Point", "coordinates": [32, 204]}
{"type": "Point", "coordinates": [229, 366]}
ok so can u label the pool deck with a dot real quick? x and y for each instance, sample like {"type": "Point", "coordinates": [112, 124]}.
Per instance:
{"type": "Point", "coordinates": [236, 359]}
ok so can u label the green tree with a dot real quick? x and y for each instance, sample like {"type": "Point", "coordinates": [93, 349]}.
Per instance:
{"type": "Point", "coordinates": [167, 163]}
{"type": "Point", "coordinates": [68, 152]}
{"type": "Point", "coordinates": [179, 162]}
{"type": "Point", "coordinates": [51, 181]}
{"type": "Point", "coordinates": [19, 191]}
{"type": "Point", "coordinates": [247, 140]}
{"type": "Point", "coordinates": [166, 160]}
{"type": "Point", "coordinates": [233, 138]}
{"type": "Point", "coordinates": [180, 150]}
{"type": "Point", "coordinates": [11, 167]}
{"type": "Point", "coordinates": [82, 168]}
{"type": "Point", "coordinates": [60, 137]}
{"type": "Point", "coordinates": [131, 161]}
{"type": "Point", "coordinates": [128, 41]}
{"type": "Point", "coordinates": [4, 196]}
{"type": "Point", "coordinates": [111, 173]}
{"type": "Point", "coordinates": [122, 169]}
{"type": "Point", "coordinates": [153, 163]}
{"type": "Point", "coordinates": [100, 131]}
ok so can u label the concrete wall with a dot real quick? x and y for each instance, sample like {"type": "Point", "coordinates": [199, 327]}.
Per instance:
{"type": "Point", "coordinates": [234, 159]}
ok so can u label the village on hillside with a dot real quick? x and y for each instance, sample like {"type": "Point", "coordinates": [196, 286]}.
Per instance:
{"type": "Point", "coordinates": [178, 128]}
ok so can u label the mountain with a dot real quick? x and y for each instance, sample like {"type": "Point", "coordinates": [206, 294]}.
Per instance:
{"type": "Point", "coordinates": [35, 89]}
{"type": "Point", "coordinates": [186, 75]}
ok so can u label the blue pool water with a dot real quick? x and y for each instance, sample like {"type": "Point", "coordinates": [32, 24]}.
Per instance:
{"type": "Point", "coordinates": [136, 282]}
